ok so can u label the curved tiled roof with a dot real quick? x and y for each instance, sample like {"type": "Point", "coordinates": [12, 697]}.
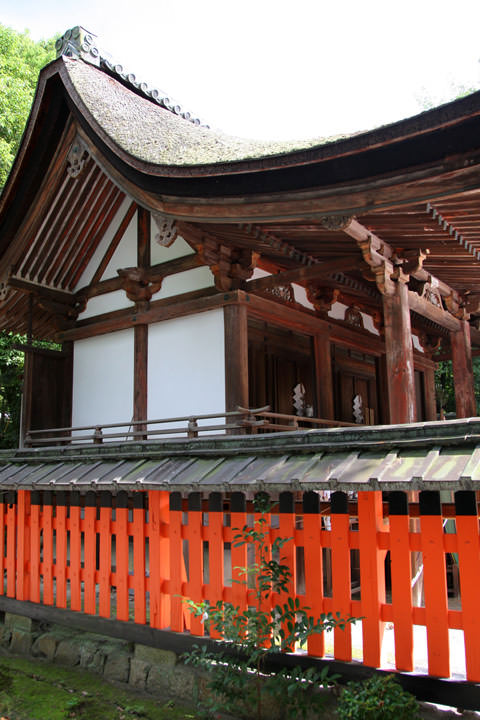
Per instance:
{"type": "Point", "coordinates": [153, 134]}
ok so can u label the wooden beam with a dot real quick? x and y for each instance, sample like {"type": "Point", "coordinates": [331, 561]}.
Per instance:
{"type": "Point", "coordinates": [432, 312]}
{"type": "Point", "coordinates": [304, 274]}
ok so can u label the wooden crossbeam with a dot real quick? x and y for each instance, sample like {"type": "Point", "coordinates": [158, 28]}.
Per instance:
{"type": "Point", "coordinates": [304, 274]}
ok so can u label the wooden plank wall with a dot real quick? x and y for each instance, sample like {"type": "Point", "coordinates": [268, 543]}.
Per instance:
{"type": "Point", "coordinates": [133, 557]}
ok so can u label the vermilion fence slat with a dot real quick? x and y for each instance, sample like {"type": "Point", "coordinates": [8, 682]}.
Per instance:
{"type": "Point", "coordinates": [238, 520]}
{"type": "Point", "coordinates": [2, 545]}
{"type": "Point", "coordinates": [35, 501]}
{"type": "Point", "coordinates": [89, 554]}
{"type": "Point", "coordinates": [11, 543]}
{"type": "Point", "coordinates": [105, 558]}
{"type": "Point", "coordinates": [372, 574]}
{"type": "Point", "coordinates": [61, 550]}
{"type": "Point", "coordinates": [75, 552]}
{"type": "Point", "coordinates": [47, 527]}
{"type": "Point", "coordinates": [23, 544]}
{"type": "Point", "coordinates": [195, 557]}
{"type": "Point", "coordinates": [435, 584]}
{"type": "Point", "coordinates": [401, 574]}
{"type": "Point", "coordinates": [469, 568]}
{"type": "Point", "coordinates": [140, 607]}
{"type": "Point", "coordinates": [176, 562]}
{"type": "Point", "coordinates": [121, 555]}
{"type": "Point", "coordinates": [288, 551]}
{"type": "Point", "coordinates": [265, 604]}
{"type": "Point", "coordinates": [341, 592]}
{"type": "Point", "coordinates": [216, 551]}
{"type": "Point", "coordinates": [313, 566]}
{"type": "Point", "coordinates": [159, 558]}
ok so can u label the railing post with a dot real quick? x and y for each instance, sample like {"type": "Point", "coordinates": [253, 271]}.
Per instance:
{"type": "Point", "coordinates": [372, 574]}
{"type": "Point", "coordinates": [192, 431]}
{"type": "Point", "coordinates": [469, 567]}
{"type": "Point", "coordinates": [435, 583]}
{"type": "Point", "coordinates": [341, 589]}
{"type": "Point", "coordinates": [23, 544]}
{"type": "Point", "coordinates": [401, 572]}
{"type": "Point", "coordinates": [98, 435]}
{"type": "Point", "coordinates": [159, 528]}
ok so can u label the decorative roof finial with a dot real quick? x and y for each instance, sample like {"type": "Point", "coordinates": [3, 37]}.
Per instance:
{"type": "Point", "coordinates": [80, 43]}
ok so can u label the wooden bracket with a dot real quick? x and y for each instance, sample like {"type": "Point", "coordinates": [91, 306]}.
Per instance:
{"type": "Point", "coordinates": [322, 298]}
{"type": "Point", "coordinates": [138, 285]}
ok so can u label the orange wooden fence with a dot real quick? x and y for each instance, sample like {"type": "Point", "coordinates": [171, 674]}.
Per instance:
{"type": "Point", "coordinates": [133, 557]}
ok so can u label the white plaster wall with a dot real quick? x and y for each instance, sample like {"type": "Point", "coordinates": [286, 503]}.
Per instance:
{"type": "Point", "coordinates": [160, 254]}
{"type": "Point", "coordinates": [186, 366]}
{"type": "Point", "coordinates": [106, 303]}
{"type": "Point", "coordinates": [103, 379]}
{"type": "Point", "coordinates": [196, 279]}
{"type": "Point", "coordinates": [123, 254]}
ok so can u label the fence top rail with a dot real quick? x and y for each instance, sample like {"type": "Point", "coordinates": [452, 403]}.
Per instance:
{"type": "Point", "coordinates": [418, 456]}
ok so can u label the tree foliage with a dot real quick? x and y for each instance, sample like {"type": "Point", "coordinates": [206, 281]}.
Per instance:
{"type": "Point", "coordinates": [21, 60]}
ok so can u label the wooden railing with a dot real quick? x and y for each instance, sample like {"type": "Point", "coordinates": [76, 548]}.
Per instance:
{"type": "Point", "coordinates": [243, 420]}
{"type": "Point", "coordinates": [56, 550]}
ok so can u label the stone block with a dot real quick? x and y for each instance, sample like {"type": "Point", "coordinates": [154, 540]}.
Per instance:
{"type": "Point", "coordinates": [138, 673]}
{"type": "Point", "coordinates": [158, 680]}
{"type": "Point", "coordinates": [154, 656]}
{"type": "Point", "coordinates": [92, 657]}
{"type": "Point", "coordinates": [68, 653]}
{"type": "Point", "coordinates": [5, 637]}
{"type": "Point", "coordinates": [45, 646]}
{"type": "Point", "coordinates": [21, 622]}
{"type": "Point", "coordinates": [21, 642]}
{"type": "Point", "coordinates": [117, 667]}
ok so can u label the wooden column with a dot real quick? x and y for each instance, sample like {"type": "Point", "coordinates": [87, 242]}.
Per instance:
{"type": "Point", "coordinates": [430, 396]}
{"type": "Point", "coordinates": [399, 354]}
{"type": "Point", "coordinates": [140, 369]}
{"type": "Point", "coordinates": [463, 372]}
{"type": "Point", "coordinates": [236, 356]}
{"type": "Point", "coordinates": [323, 376]}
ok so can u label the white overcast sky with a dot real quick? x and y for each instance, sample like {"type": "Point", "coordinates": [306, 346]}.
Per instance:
{"type": "Point", "coordinates": [278, 69]}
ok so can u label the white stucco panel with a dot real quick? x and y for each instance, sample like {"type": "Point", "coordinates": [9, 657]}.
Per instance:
{"type": "Point", "coordinates": [196, 279]}
{"type": "Point", "coordinates": [106, 303]}
{"type": "Point", "coordinates": [127, 245]}
{"type": "Point", "coordinates": [186, 366]}
{"type": "Point", "coordinates": [160, 254]}
{"type": "Point", "coordinates": [103, 379]}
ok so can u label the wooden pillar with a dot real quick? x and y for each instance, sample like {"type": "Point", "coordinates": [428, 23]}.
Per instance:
{"type": "Point", "coordinates": [323, 376]}
{"type": "Point", "coordinates": [463, 372]}
{"type": "Point", "coordinates": [399, 354]}
{"type": "Point", "coordinates": [140, 369]}
{"type": "Point", "coordinates": [430, 396]}
{"type": "Point", "coordinates": [236, 356]}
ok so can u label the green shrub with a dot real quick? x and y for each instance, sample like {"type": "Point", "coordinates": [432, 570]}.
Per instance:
{"type": "Point", "coordinates": [378, 698]}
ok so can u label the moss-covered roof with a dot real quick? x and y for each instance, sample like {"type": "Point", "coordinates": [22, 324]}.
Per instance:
{"type": "Point", "coordinates": [152, 134]}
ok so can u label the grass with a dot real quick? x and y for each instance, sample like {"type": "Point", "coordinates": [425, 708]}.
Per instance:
{"type": "Point", "coordinates": [37, 690]}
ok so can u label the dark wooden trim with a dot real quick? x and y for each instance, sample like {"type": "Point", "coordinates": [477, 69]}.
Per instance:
{"type": "Point", "coordinates": [60, 296]}
{"type": "Point", "coordinates": [236, 356]}
{"type": "Point", "coordinates": [431, 312]}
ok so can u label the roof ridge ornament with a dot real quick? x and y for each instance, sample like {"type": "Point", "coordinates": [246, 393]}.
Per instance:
{"type": "Point", "coordinates": [80, 43]}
